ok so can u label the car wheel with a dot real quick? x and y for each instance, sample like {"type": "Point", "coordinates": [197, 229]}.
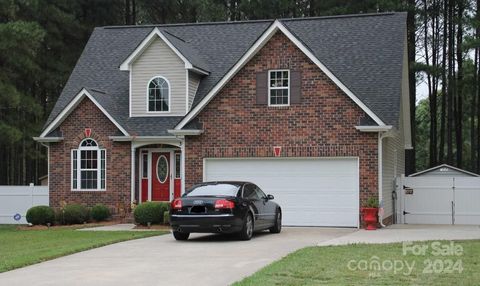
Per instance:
{"type": "Point", "coordinates": [277, 227]}
{"type": "Point", "coordinates": [181, 235]}
{"type": "Point", "coordinates": [247, 230]}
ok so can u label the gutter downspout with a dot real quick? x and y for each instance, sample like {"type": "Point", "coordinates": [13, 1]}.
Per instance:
{"type": "Point", "coordinates": [381, 135]}
{"type": "Point", "coordinates": [48, 164]}
{"type": "Point", "coordinates": [132, 175]}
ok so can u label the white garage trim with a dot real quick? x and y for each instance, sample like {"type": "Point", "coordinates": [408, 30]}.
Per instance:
{"type": "Point", "coordinates": [320, 188]}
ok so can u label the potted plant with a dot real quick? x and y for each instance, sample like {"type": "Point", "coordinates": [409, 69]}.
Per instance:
{"type": "Point", "coordinates": [370, 212]}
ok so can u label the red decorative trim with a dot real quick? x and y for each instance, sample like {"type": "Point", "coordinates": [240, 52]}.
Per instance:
{"type": "Point", "coordinates": [88, 132]}
{"type": "Point", "coordinates": [277, 150]}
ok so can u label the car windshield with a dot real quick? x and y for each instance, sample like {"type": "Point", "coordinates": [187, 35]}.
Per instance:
{"type": "Point", "coordinates": [228, 190]}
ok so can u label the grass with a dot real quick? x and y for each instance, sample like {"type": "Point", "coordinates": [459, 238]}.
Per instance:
{"type": "Point", "coordinates": [20, 248]}
{"type": "Point", "coordinates": [330, 266]}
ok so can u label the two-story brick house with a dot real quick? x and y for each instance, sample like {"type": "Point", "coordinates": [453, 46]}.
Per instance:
{"type": "Point", "coordinates": [314, 111]}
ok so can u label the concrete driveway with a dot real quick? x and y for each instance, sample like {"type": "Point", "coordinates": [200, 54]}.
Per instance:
{"type": "Point", "coordinates": [202, 260]}
{"type": "Point", "coordinates": [408, 232]}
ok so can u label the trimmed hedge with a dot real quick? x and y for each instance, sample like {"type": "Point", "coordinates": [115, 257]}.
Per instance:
{"type": "Point", "coordinates": [150, 212]}
{"type": "Point", "coordinates": [40, 215]}
{"type": "Point", "coordinates": [100, 212]}
{"type": "Point", "coordinates": [73, 214]}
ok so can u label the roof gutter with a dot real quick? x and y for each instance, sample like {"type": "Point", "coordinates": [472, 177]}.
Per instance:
{"type": "Point", "coordinates": [383, 128]}
{"type": "Point", "coordinates": [184, 132]}
{"type": "Point", "coordinates": [47, 139]}
{"type": "Point", "coordinates": [139, 138]}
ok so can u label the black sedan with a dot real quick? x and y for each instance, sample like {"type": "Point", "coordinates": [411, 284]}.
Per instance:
{"type": "Point", "coordinates": [224, 207]}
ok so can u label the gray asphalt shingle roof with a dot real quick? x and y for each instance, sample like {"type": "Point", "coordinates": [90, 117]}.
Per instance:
{"type": "Point", "coordinates": [364, 52]}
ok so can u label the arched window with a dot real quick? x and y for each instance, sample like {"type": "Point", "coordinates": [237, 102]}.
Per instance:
{"type": "Point", "coordinates": [88, 166]}
{"type": "Point", "coordinates": [158, 95]}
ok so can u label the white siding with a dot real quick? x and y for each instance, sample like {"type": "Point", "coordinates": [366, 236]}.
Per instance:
{"type": "Point", "coordinates": [193, 82]}
{"type": "Point", "coordinates": [393, 163]}
{"type": "Point", "coordinates": [158, 60]}
{"type": "Point", "coordinates": [393, 151]}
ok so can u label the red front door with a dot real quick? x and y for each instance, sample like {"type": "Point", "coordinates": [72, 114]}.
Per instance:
{"type": "Point", "coordinates": [160, 176]}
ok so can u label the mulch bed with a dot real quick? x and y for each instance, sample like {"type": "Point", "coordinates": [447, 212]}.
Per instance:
{"type": "Point", "coordinates": [72, 226]}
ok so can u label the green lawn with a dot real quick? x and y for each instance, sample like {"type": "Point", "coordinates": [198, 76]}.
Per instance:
{"type": "Point", "coordinates": [333, 266]}
{"type": "Point", "coordinates": [19, 248]}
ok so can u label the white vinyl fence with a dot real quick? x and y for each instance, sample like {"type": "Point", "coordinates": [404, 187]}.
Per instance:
{"type": "Point", "coordinates": [16, 200]}
{"type": "Point", "coordinates": [438, 200]}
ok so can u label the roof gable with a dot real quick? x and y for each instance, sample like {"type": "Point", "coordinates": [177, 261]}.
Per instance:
{"type": "Point", "coordinates": [444, 170]}
{"type": "Point", "coordinates": [72, 105]}
{"type": "Point", "coordinates": [275, 27]}
{"type": "Point", "coordinates": [168, 38]}
{"type": "Point", "coordinates": [364, 52]}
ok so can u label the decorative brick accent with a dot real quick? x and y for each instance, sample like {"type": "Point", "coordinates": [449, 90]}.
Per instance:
{"type": "Point", "coordinates": [117, 193]}
{"type": "Point", "coordinates": [322, 125]}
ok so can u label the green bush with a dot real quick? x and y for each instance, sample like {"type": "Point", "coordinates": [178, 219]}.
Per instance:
{"type": "Point", "coordinates": [40, 215]}
{"type": "Point", "coordinates": [166, 217]}
{"type": "Point", "coordinates": [100, 212]}
{"type": "Point", "coordinates": [165, 207]}
{"type": "Point", "coordinates": [372, 202]}
{"type": "Point", "coordinates": [150, 212]}
{"type": "Point", "coordinates": [75, 213]}
{"type": "Point", "coordinates": [59, 216]}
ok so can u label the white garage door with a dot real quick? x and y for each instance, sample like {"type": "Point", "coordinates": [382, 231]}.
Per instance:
{"type": "Point", "coordinates": [311, 192]}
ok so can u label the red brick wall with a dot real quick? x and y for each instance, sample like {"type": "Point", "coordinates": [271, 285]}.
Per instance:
{"type": "Point", "coordinates": [322, 125]}
{"type": "Point", "coordinates": [117, 194]}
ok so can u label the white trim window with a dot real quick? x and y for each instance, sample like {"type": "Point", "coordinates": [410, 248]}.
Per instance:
{"type": "Point", "coordinates": [177, 166]}
{"type": "Point", "coordinates": [158, 95]}
{"type": "Point", "coordinates": [279, 88]}
{"type": "Point", "coordinates": [89, 166]}
{"type": "Point", "coordinates": [144, 165]}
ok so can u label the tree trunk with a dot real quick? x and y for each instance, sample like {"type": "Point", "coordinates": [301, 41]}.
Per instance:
{"type": "Point", "coordinates": [432, 100]}
{"type": "Point", "coordinates": [473, 107]}
{"type": "Point", "coordinates": [459, 90]}
{"type": "Point", "coordinates": [441, 152]}
{"type": "Point", "coordinates": [451, 83]}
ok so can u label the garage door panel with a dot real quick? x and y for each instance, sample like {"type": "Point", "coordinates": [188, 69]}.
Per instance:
{"type": "Point", "coordinates": [311, 192]}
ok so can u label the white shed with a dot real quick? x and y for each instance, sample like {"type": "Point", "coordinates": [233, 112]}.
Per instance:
{"type": "Point", "coordinates": [444, 170]}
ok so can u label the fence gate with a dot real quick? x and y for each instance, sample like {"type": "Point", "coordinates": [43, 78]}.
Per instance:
{"type": "Point", "coordinates": [440, 200]}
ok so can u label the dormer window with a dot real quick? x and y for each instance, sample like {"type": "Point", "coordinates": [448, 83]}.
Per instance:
{"type": "Point", "coordinates": [158, 95]}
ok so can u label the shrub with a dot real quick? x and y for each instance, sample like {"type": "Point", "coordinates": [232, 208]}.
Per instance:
{"type": "Point", "coordinates": [165, 207]}
{"type": "Point", "coordinates": [75, 213]}
{"type": "Point", "coordinates": [40, 215]}
{"type": "Point", "coordinates": [372, 203]}
{"type": "Point", "coordinates": [100, 212]}
{"type": "Point", "coordinates": [166, 217]}
{"type": "Point", "coordinates": [150, 212]}
{"type": "Point", "coordinates": [59, 219]}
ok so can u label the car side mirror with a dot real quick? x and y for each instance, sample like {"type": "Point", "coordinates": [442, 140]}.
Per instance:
{"type": "Point", "coordinates": [270, 197]}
